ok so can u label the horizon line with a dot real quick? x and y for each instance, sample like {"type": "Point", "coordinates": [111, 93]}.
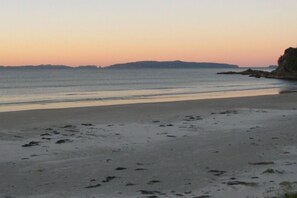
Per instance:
{"type": "Point", "coordinates": [99, 66]}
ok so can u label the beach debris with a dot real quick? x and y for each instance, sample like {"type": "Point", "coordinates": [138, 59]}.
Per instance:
{"type": "Point", "coordinates": [85, 124]}
{"type": "Point", "coordinates": [287, 185]}
{"type": "Point", "coordinates": [171, 136]}
{"type": "Point", "coordinates": [140, 169]}
{"type": "Point", "coordinates": [56, 132]}
{"type": "Point", "coordinates": [45, 134]}
{"type": "Point", "coordinates": [109, 178]}
{"type": "Point", "coordinates": [32, 143]}
{"type": "Point", "coordinates": [192, 118]}
{"type": "Point", "coordinates": [217, 172]}
{"type": "Point", "coordinates": [153, 182]}
{"type": "Point", "coordinates": [148, 192]}
{"type": "Point", "coordinates": [255, 177]}
{"type": "Point", "coordinates": [93, 186]}
{"type": "Point", "coordinates": [243, 183]}
{"type": "Point", "coordinates": [229, 112]}
{"type": "Point", "coordinates": [120, 168]}
{"type": "Point", "coordinates": [46, 138]}
{"type": "Point", "coordinates": [67, 126]}
{"type": "Point", "coordinates": [261, 163]}
{"type": "Point", "coordinates": [63, 141]}
{"type": "Point", "coordinates": [272, 171]}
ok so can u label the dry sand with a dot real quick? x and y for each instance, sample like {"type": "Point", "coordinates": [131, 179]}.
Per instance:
{"type": "Point", "coordinates": [236, 147]}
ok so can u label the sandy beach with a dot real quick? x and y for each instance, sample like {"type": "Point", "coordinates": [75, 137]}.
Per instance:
{"type": "Point", "coordinates": [232, 147]}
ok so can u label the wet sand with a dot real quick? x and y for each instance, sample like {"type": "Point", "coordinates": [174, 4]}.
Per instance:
{"type": "Point", "coordinates": [235, 147]}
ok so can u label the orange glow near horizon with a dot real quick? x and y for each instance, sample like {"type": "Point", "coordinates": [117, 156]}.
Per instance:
{"type": "Point", "coordinates": [102, 32]}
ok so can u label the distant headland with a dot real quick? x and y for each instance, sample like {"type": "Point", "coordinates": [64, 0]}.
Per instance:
{"type": "Point", "coordinates": [169, 65]}
{"type": "Point", "coordinates": [48, 66]}
{"type": "Point", "coordinates": [135, 65]}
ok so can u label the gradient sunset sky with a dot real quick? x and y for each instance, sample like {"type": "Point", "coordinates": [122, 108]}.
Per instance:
{"type": "Point", "coordinates": [103, 32]}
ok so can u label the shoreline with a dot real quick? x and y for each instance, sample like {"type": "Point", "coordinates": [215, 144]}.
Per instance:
{"type": "Point", "coordinates": [151, 99]}
{"type": "Point", "coordinates": [230, 147]}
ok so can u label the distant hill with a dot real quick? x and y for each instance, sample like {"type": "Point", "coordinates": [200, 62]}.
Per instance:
{"type": "Point", "coordinates": [49, 67]}
{"type": "Point", "coordinates": [134, 65]}
{"type": "Point", "coordinates": [168, 65]}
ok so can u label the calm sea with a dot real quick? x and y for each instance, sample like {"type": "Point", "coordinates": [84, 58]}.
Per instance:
{"type": "Point", "coordinates": [57, 88]}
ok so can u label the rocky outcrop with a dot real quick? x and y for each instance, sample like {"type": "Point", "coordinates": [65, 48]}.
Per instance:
{"type": "Point", "coordinates": [250, 72]}
{"type": "Point", "coordinates": [287, 68]}
{"type": "Point", "coordinates": [287, 65]}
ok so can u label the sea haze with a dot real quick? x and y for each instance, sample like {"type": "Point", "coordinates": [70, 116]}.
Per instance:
{"type": "Point", "coordinates": [25, 88]}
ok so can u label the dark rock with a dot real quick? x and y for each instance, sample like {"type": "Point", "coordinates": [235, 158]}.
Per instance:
{"type": "Point", "coordinates": [261, 163]}
{"type": "Point", "coordinates": [287, 63]}
{"type": "Point", "coordinates": [120, 168]}
{"type": "Point", "coordinates": [32, 143]}
{"type": "Point", "coordinates": [87, 124]}
{"type": "Point", "coordinates": [93, 186]}
{"type": "Point", "coordinates": [217, 172]}
{"type": "Point", "coordinates": [156, 121]}
{"type": "Point", "coordinates": [67, 126]}
{"type": "Point", "coordinates": [46, 138]}
{"type": "Point", "coordinates": [147, 192]}
{"type": "Point", "coordinates": [250, 72]}
{"type": "Point", "coordinates": [56, 132]}
{"type": "Point", "coordinates": [45, 134]}
{"type": "Point", "coordinates": [171, 136]}
{"type": "Point", "coordinates": [287, 68]}
{"type": "Point", "coordinates": [63, 141]}
{"type": "Point", "coordinates": [229, 112]}
{"type": "Point", "coordinates": [153, 182]}
{"type": "Point", "coordinates": [109, 178]}
{"type": "Point", "coordinates": [235, 183]}
{"type": "Point", "coordinates": [130, 184]}
{"type": "Point", "coordinates": [140, 169]}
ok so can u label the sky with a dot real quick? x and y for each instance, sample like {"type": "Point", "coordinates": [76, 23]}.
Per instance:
{"type": "Point", "coordinates": [104, 32]}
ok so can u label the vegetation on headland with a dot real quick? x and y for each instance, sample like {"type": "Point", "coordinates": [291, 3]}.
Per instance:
{"type": "Point", "coordinates": [291, 195]}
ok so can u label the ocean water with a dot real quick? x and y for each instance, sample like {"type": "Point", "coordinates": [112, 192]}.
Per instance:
{"type": "Point", "coordinates": [22, 89]}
